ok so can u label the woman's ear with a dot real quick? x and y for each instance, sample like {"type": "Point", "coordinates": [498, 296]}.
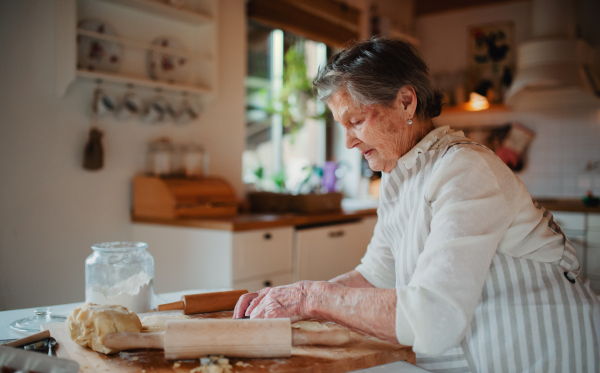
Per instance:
{"type": "Point", "coordinates": [407, 100]}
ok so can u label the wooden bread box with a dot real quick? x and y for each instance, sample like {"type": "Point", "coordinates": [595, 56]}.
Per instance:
{"type": "Point", "coordinates": [172, 198]}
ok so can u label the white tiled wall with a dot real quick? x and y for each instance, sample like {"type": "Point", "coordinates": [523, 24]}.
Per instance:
{"type": "Point", "coordinates": [559, 155]}
{"type": "Point", "coordinates": [566, 140]}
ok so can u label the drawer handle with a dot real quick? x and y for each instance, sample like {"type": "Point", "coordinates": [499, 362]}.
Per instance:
{"type": "Point", "coordinates": [267, 283]}
{"type": "Point", "coordinates": [336, 234]}
{"type": "Point", "coordinates": [268, 236]}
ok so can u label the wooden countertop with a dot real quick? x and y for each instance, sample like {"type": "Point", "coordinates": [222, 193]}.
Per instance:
{"type": "Point", "coordinates": [565, 204]}
{"type": "Point", "coordinates": [245, 222]}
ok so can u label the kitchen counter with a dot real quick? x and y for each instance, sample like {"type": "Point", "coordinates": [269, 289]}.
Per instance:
{"type": "Point", "coordinates": [6, 317]}
{"type": "Point", "coordinates": [246, 221]}
{"type": "Point", "coordinates": [565, 204]}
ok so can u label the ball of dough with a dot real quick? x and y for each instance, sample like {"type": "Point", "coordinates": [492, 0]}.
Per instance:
{"type": "Point", "coordinates": [89, 323]}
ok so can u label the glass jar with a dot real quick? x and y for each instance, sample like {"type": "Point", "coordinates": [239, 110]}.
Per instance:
{"type": "Point", "coordinates": [160, 154]}
{"type": "Point", "coordinates": [192, 156]}
{"type": "Point", "coordinates": [120, 273]}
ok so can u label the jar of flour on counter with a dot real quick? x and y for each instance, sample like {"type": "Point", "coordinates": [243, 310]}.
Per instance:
{"type": "Point", "coordinates": [120, 273]}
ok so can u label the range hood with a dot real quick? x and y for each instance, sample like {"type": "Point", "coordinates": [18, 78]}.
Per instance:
{"type": "Point", "coordinates": [554, 69]}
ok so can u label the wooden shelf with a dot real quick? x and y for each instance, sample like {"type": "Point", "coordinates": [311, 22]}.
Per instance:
{"type": "Point", "coordinates": [139, 22]}
{"type": "Point", "coordinates": [164, 10]}
{"type": "Point", "coordinates": [141, 45]}
{"type": "Point", "coordinates": [142, 82]}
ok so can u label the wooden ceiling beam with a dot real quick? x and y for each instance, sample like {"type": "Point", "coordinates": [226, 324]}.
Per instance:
{"type": "Point", "coordinates": [427, 7]}
{"type": "Point", "coordinates": [286, 16]}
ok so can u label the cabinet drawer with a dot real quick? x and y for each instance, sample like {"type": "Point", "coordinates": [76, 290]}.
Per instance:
{"type": "Point", "coordinates": [264, 281]}
{"type": "Point", "coordinates": [259, 252]}
{"type": "Point", "coordinates": [324, 253]}
{"type": "Point", "coordinates": [570, 220]}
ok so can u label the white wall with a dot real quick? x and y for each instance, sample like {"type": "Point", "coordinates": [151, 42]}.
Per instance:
{"type": "Point", "coordinates": [566, 139]}
{"type": "Point", "coordinates": [51, 210]}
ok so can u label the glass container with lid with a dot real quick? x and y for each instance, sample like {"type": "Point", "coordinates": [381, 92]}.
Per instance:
{"type": "Point", "coordinates": [32, 324]}
{"type": "Point", "coordinates": [193, 159]}
{"type": "Point", "coordinates": [120, 273]}
{"type": "Point", "coordinates": [161, 154]}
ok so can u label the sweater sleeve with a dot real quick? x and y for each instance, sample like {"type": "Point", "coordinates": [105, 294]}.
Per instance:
{"type": "Point", "coordinates": [377, 266]}
{"type": "Point", "coordinates": [470, 215]}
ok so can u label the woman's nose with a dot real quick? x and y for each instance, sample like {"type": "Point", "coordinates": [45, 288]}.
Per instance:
{"type": "Point", "coordinates": [351, 140]}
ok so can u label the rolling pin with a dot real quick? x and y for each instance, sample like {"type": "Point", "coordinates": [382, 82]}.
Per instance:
{"type": "Point", "coordinates": [206, 302]}
{"type": "Point", "coordinates": [257, 338]}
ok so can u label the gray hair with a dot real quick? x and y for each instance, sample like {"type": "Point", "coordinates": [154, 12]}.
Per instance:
{"type": "Point", "coordinates": [373, 71]}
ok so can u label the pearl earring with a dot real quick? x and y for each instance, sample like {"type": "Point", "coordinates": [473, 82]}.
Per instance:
{"type": "Point", "coordinates": [409, 122]}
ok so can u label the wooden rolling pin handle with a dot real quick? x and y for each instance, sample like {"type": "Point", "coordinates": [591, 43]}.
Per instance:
{"type": "Point", "coordinates": [30, 339]}
{"type": "Point", "coordinates": [325, 338]}
{"type": "Point", "coordinates": [129, 341]}
{"type": "Point", "coordinates": [179, 305]}
{"type": "Point", "coordinates": [211, 302]}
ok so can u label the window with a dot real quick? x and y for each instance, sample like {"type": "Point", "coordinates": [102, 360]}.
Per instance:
{"type": "Point", "coordinates": [286, 128]}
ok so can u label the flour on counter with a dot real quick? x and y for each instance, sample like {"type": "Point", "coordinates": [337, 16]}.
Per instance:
{"type": "Point", "coordinates": [135, 293]}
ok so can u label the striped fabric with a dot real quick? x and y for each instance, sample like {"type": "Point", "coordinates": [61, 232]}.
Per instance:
{"type": "Point", "coordinates": [530, 318]}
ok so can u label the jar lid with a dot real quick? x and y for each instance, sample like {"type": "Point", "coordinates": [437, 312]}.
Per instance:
{"type": "Point", "coordinates": [121, 246]}
{"type": "Point", "coordinates": [33, 324]}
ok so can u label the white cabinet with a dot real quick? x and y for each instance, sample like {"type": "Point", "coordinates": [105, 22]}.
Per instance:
{"type": "Point", "coordinates": [192, 258]}
{"type": "Point", "coordinates": [323, 253]}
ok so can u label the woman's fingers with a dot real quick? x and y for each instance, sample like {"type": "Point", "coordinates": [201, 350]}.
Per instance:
{"type": "Point", "coordinates": [256, 301]}
{"type": "Point", "coordinates": [242, 305]}
{"type": "Point", "coordinates": [283, 301]}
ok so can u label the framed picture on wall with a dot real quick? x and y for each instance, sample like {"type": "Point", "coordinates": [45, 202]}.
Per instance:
{"type": "Point", "coordinates": [491, 59]}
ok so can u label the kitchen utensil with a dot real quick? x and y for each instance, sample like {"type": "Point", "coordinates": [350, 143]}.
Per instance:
{"type": "Point", "coordinates": [120, 273]}
{"type": "Point", "coordinates": [360, 353]}
{"type": "Point", "coordinates": [29, 339]}
{"type": "Point", "coordinates": [32, 324]}
{"type": "Point", "coordinates": [206, 302]}
{"type": "Point", "coordinates": [93, 153]}
{"type": "Point", "coordinates": [52, 345]}
{"type": "Point", "coordinates": [96, 54]}
{"type": "Point", "coordinates": [258, 338]}
{"type": "Point", "coordinates": [168, 67]}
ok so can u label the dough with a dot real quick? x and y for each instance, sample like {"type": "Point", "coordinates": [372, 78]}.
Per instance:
{"type": "Point", "coordinates": [156, 323]}
{"type": "Point", "coordinates": [309, 326]}
{"type": "Point", "coordinates": [216, 364]}
{"type": "Point", "coordinates": [89, 323]}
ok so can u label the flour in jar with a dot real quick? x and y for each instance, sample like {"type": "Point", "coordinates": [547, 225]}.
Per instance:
{"type": "Point", "coordinates": [135, 293]}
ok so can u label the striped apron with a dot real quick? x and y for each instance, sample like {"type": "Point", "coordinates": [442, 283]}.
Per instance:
{"type": "Point", "coordinates": [532, 316]}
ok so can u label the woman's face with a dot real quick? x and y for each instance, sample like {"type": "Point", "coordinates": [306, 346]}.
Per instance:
{"type": "Point", "coordinates": [381, 133]}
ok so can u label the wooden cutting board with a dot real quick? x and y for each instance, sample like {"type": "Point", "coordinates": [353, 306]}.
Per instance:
{"type": "Point", "coordinates": [362, 352]}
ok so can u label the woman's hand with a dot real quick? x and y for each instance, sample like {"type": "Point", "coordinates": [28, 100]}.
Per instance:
{"type": "Point", "coordinates": [292, 301]}
{"type": "Point", "coordinates": [243, 303]}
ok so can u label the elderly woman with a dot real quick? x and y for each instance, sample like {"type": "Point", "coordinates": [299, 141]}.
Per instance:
{"type": "Point", "coordinates": [462, 266]}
